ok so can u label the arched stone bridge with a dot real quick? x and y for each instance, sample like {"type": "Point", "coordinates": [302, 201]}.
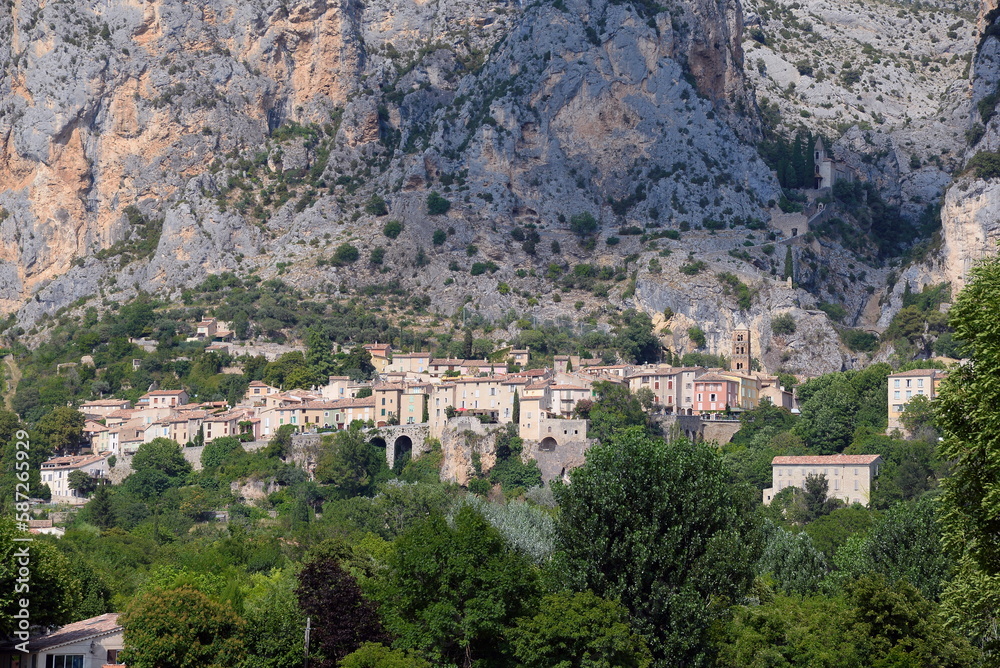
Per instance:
{"type": "Point", "coordinates": [400, 439]}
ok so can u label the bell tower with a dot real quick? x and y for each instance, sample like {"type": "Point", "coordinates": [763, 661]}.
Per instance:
{"type": "Point", "coordinates": [740, 360]}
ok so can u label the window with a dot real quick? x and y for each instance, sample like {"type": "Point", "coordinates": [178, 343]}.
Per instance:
{"type": "Point", "coordinates": [64, 661]}
{"type": "Point", "coordinates": [909, 383]}
{"type": "Point", "coordinates": [909, 393]}
{"type": "Point", "coordinates": [855, 485]}
{"type": "Point", "coordinates": [836, 484]}
{"type": "Point", "coordinates": [895, 395]}
{"type": "Point", "coordinates": [895, 382]}
{"type": "Point", "coordinates": [113, 656]}
{"type": "Point", "coordinates": [920, 382]}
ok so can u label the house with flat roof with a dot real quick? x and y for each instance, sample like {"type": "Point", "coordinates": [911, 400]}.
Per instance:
{"type": "Point", "coordinates": [849, 477]}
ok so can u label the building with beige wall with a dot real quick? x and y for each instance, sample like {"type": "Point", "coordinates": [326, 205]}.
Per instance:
{"type": "Point", "coordinates": [55, 473]}
{"type": "Point", "coordinates": [905, 385]}
{"type": "Point", "coordinates": [849, 477]}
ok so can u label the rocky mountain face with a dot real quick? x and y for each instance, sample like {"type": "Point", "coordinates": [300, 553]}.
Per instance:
{"type": "Point", "coordinates": [147, 145]}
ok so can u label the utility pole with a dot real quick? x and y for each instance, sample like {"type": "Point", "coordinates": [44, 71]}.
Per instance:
{"type": "Point", "coordinates": [305, 658]}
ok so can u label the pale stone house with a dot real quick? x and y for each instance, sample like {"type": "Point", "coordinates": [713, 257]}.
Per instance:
{"type": "Point", "coordinates": [55, 473]}
{"type": "Point", "coordinates": [849, 477]}
{"type": "Point", "coordinates": [90, 643]}
{"type": "Point", "coordinates": [908, 384]}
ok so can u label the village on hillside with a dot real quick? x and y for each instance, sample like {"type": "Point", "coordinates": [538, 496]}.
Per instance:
{"type": "Point", "coordinates": [415, 396]}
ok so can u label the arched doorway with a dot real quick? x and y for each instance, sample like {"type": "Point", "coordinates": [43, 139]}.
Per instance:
{"type": "Point", "coordinates": [548, 444]}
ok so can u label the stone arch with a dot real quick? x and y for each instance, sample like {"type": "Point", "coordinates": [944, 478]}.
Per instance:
{"type": "Point", "coordinates": [378, 441]}
{"type": "Point", "coordinates": [401, 446]}
{"type": "Point", "coordinates": [548, 444]}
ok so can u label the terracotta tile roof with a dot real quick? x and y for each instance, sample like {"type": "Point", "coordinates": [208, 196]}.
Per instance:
{"type": "Point", "coordinates": [714, 378]}
{"type": "Point", "coordinates": [826, 460]}
{"type": "Point", "coordinates": [77, 631]}
{"type": "Point", "coordinates": [71, 461]}
{"type": "Point", "coordinates": [257, 383]}
{"type": "Point", "coordinates": [125, 413]}
{"type": "Point", "coordinates": [919, 372]}
{"type": "Point", "coordinates": [164, 393]}
{"type": "Point", "coordinates": [98, 403]}
{"type": "Point", "coordinates": [354, 403]}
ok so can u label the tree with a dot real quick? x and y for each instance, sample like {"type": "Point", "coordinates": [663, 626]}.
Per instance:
{"type": "Point", "coordinates": [969, 419]}
{"type": "Point", "coordinates": [275, 623]}
{"type": "Point", "coordinates": [437, 205]}
{"type": "Point", "coordinates": [280, 444]}
{"type": "Point", "coordinates": [578, 629]}
{"type": "Point", "coordinates": [100, 511]}
{"type": "Point", "coordinates": [319, 355]}
{"type": "Point", "coordinates": [583, 224]}
{"type": "Point", "coordinates": [467, 344]}
{"type": "Point", "coordinates": [221, 451]}
{"type": "Point", "coordinates": [54, 592]}
{"type": "Point", "coordinates": [162, 455]}
{"type": "Point", "coordinates": [81, 482]}
{"type": "Point", "coordinates": [515, 414]}
{"type": "Point", "coordinates": [392, 229]}
{"type": "Point", "coordinates": [796, 566]}
{"type": "Point", "coordinates": [181, 628]}
{"type": "Point", "coordinates": [61, 430]}
{"type": "Point", "coordinates": [615, 408]}
{"type": "Point", "coordinates": [918, 418]}
{"type": "Point", "coordinates": [375, 655]}
{"type": "Point", "coordinates": [350, 463]}
{"type": "Point", "coordinates": [343, 618]}
{"type": "Point", "coordinates": [675, 554]}
{"type": "Point", "coordinates": [376, 206]}
{"type": "Point", "coordinates": [827, 420]}
{"type": "Point", "coordinates": [452, 591]}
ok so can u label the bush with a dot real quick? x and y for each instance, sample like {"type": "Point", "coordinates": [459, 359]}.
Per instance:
{"type": "Point", "coordinates": [697, 337]}
{"type": "Point", "coordinates": [375, 206]}
{"type": "Point", "coordinates": [692, 267]}
{"type": "Point", "coordinates": [378, 255]}
{"type": "Point", "coordinates": [835, 311]}
{"type": "Point", "coordinates": [612, 241]}
{"type": "Point", "coordinates": [439, 237]}
{"type": "Point", "coordinates": [583, 224]}
{"type": "Point", "coordinates": [859, 341]}
{"type": "Point", "coordinates": [437, 205]}
{"type": "Point", "coordinates": [345, 254]}
{"type": "Point", "coordinates": [985, 164]}
{"type": "Point", "coordinates": [783, 324]}
{"type": "Point", "coordinates": [479, 268]}
{"type": "Point", "coordinates": [392, 229]}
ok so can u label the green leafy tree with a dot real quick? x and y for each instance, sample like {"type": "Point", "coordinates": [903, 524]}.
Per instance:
{"type": "Point", "coordinates": [792, 561]}
{"type": "Point", "coordinates": [319, 355]}
{"type": "Point", "coordinates": [376, 655]}
{"type": "Point", "coordinates": [161, 455]}
{"type": "Point", "coordinates": [81, 482]}
{"type": "Point", "coordinates": [578, 629]}
{"type": "Point", "coordinates": [452, 591]}
{"type": "Point", "coordinates": [674, 555]}
{"type": "Point", "coordinates": [54, 591]}
{"type": "Point", "coordinates": [61, 430]}
{"type": "Point", "coordinates": [280, 444]}
{"type": "Point", "coordinates": [918, 418]}
{"type": "Point", "coordinates": [969, 419]}
{"type": "Point", "coordinates": [515, 414]}
{"type": "Point", "coordinates": [583, 224]}
{"type": "Point", "coordinates": [221, 451]}
{"type": "Point", "coordinates": [436, 204]}
{"type": "Point", "coordinates": [274, 621]}
{"type": "Point", "coordinates": [350, 463]}
{"type": "Point", "coordinates": [376, 206]}
{"type": "Point", "coordinates": [392, 229]}
{"type": "Point", "coordinates": [181, 628]}
{"type": "Point", "coordinates": [827, 421]}
{"type": "Point", "coordinates": [615, 408]}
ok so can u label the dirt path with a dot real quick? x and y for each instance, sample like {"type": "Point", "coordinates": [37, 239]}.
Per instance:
{"type": "Point", "coordinates": [11, 381]}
